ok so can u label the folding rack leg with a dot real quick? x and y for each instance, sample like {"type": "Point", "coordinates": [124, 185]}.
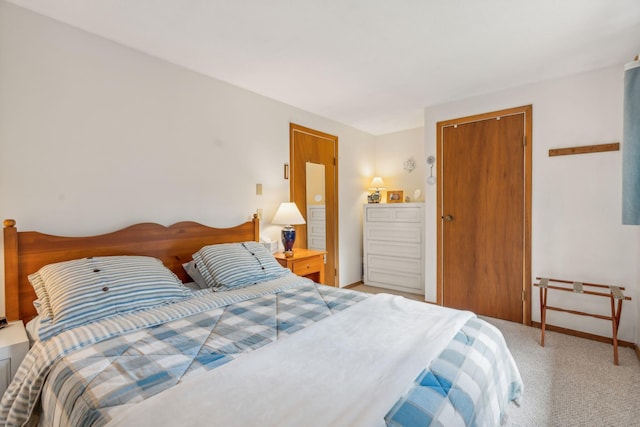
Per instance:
{"type": "Point", "coordinates": [615, 322]}
{"type": "Point", "coordinates": [543, 312]}
{"type": "Point", "coordinates": [615, 331]}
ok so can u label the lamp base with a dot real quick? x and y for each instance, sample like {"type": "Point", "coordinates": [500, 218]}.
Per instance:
{"type": "Point", "coordinates": [288, 239]}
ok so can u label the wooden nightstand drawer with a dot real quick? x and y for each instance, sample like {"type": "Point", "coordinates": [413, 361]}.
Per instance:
{"type": "Point", "coordinates": [304, 262]}
{"type": "Point", "coordinates": [307, 266]}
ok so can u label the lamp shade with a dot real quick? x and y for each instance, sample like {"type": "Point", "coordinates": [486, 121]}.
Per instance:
{"type": "Point", "coordinates": [376, 183]}
{"type": "Point", "coordinates": [288, 214]}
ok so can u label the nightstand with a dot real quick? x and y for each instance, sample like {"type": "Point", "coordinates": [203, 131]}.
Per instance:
{"type": "Point", "coordinates": [14, 345]}
{"type": "Point", "coordinates": [304, 262]}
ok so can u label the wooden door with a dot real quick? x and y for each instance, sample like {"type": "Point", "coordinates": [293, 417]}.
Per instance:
{"type": "Point", "coordinates": [484, 227]}
{"type": "Point", "coordinates": [308, 145]}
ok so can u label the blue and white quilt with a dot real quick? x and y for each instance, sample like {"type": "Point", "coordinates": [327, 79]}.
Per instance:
{"type": "Point", "coordinates": [90, 374]}
{"type": "Point", "coordinates": [127, 359]}
{"type": "Point", "coordinates": [469, 384]}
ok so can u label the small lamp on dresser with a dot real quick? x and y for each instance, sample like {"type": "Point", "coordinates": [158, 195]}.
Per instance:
{"type": "Point", "coordinates": [288, 215]}
{"type": "Point", "coordinates": [377, 184]}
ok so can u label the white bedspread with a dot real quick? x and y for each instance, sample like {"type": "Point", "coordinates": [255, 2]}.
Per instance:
{"type": "Point", "coordinates": [347, 370]}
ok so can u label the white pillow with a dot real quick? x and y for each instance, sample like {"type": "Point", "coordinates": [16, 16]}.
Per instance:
{"type": "Point", "coordinates": [192, 270]}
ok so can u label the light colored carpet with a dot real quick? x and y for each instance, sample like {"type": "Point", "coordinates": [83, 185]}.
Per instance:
{"type": "Point", "coordinates": [571, 381]}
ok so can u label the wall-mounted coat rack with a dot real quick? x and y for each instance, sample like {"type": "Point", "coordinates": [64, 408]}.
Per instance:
{"type": "Point", "coordinates": [584, 149]}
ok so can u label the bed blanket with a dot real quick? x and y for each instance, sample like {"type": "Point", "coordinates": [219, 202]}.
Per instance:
{"type": "Point", "coordinates": [469, 384]}
{"type": "Point", "coordinates": [345, 371]}
{"type": "Point", "coordinates": [168, 345]}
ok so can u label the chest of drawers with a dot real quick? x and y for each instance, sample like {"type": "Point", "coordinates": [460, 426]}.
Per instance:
{"type": "Point", "coordinates": [394, 246]}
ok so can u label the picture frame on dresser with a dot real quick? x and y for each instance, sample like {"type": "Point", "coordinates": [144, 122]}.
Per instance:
{"type": "Point", "coordinates": [395, 196]}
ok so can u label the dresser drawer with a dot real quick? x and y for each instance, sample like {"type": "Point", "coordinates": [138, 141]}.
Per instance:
{"type": "Point", "coordinates": [393, 279]}
{"type": "Point", "coordinates": [316, 242]}
{"type": "Point", "coordinates": [395, 264]}
{"type": "Point", "coordinates": [394, 214]}
{"type": "Point", "coordinates": [409, 250]}
{"type": "Point", "coordinates": [316, 214]}
{"type": "Point", "coordinates": [307, 266]}
{"type": "Point", "coordinates": [318, 228]}
{"type": "Point", "coordinates": [409, 233]}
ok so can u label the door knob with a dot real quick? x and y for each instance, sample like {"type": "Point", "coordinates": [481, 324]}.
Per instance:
{"type": "Point", "coordinates": [448, 217]}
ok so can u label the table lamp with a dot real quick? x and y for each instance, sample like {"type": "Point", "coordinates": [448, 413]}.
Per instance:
{"type": "Point", "coordinates": [288, 215]}
{"type": "Point", "coordinates": [377, 184]}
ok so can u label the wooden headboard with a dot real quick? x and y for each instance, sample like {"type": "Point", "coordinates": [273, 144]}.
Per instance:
{"type": "Point", "coordinates": [25, 252]}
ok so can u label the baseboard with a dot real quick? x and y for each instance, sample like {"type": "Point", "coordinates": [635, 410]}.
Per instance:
{"type": "Point", "coordinates": [637, 351]}
{"type": "Point", "coordinates": [353, 285]}
{"type": "Point", "coordinates": [586, 335]}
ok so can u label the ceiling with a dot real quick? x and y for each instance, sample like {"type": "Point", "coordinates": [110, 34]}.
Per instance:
{"type": "Point", "coordinates": [372, 64]}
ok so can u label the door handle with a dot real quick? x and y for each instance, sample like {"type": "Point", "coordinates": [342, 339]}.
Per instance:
{"type": "Point", "coordinates": [448, 217]}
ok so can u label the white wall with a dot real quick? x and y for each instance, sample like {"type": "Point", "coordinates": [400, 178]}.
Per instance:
{"type": "Point", "coordinates": [95, 136]}
{"type": "Point", "coordinates": [576, 213]}
{"type": "Point", "coordinates": [392, 151]}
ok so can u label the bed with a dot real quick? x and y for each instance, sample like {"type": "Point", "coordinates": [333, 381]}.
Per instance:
{"type": "Point", "coordinates": [249, 344]}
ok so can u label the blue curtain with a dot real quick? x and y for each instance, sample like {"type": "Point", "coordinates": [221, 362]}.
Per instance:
{"type": "Point", "coordinates": [631, 146]}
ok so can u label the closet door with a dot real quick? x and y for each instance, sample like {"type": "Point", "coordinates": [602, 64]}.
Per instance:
{"type": "Point", "coordinates": [484, 217]}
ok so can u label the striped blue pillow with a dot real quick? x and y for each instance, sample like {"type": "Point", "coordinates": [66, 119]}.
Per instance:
{"type": "Point", "coordinates": [234, 265]}
{"type": "Point", "coordinates": [43, 307]}
{"type": "Point", "coordinates": [73, 293]}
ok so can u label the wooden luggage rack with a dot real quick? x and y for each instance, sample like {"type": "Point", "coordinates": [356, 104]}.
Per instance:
{"type": "Point", "coordinates": [614, 294]}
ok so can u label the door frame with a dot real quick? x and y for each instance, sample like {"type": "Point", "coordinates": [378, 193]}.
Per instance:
{"type": "Point", "coordinates": [527, 110]}
{"type": "Point", "coordinates": [333, 223]}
